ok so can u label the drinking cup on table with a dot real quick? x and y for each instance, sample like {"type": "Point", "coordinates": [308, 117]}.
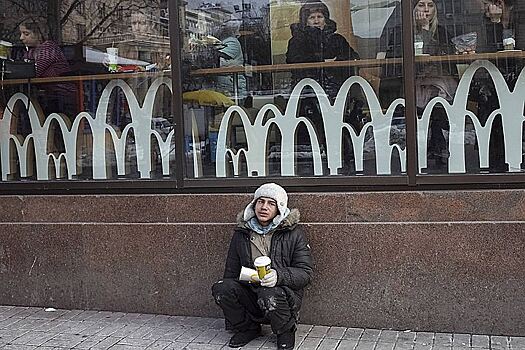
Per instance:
{"type": "Point", "coordinates": [418, 48]}
{"type": "Point", "coordinates": [112, 58]}
{"type": "Point", "coordinates": [5, 49]}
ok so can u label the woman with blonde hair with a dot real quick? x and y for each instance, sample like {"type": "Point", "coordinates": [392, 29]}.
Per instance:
{"type": "Point", "coordinates": [427, 29]}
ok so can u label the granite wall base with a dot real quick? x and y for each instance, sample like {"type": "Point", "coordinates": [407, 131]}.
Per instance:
{"type": "Point", "coordinates": [449, 262]}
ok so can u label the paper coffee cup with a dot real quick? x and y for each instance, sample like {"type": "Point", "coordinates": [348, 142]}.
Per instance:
{"type": "Point", "coordinates": [418, 48]}
{"type": "Point", "coordinates": [112, 56]}
{"type": "Point", "coordinates": [5, 49]}
{"type": "Point", "coordinates": [262, 265]}
{"type": "Point", "coordinates": [249, 275]}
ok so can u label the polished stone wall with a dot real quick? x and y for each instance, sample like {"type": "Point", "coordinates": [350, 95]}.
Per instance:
{"type": "Point", "coordinates": [439, 261]}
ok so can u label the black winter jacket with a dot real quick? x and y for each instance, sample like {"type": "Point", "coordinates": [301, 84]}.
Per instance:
{"type": "Point", "coordinates": [310, 44]}
{"type": "Point", "coordinates": [289, 252]}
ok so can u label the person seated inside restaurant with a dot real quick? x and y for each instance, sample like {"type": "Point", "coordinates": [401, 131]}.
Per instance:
{"type": "Point", "coordinates": [49, 61]}
{"type": "Point", "coordinates": [315, 39]}
{"type": "Point", "coordinates": [433, 79]}
{"type": "Point", "coordinates": [499, 25]}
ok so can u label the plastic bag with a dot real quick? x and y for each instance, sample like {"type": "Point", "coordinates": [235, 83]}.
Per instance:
{"type": "Point", "coordinates": [466, 43]}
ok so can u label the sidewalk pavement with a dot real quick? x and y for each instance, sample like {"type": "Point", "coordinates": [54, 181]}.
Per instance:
{"type": "Point", "coordinates": [24, 328]}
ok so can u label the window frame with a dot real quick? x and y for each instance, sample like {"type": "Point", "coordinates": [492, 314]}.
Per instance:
{"type": "Point", "coordinates": [179, 183]}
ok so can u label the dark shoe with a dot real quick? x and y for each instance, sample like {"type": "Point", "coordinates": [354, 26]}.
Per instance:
{"type": "Point", "coordinates": [287, 339]}
{"type": "Point", "coordinates": [242, 338]}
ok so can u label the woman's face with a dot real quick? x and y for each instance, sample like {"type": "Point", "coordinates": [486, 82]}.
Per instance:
{"type": "Point", "coordinates": [28, 37]}
{"type": "Point", "coordinates": [316, 19]}
{"type": "Point", "coordinates": [426, 6]}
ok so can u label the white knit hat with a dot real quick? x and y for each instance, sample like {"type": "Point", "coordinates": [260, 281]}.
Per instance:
{"type": "Point", "coordinates": [275, 192]}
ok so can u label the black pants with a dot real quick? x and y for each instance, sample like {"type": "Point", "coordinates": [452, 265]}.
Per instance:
{"type": "Point", "coordinates": [246, 306]}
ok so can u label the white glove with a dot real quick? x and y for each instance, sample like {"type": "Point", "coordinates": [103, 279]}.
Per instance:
{"type": "Point", "coordinates": [270, 279]}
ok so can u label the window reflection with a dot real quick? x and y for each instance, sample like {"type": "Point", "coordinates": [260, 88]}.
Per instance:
{"type": "Point", "coordinates": [470, 33]}
{"type": "Point", "coordinates": [296, 57]}
{"type": "Point", "coordinates": [81, 122]}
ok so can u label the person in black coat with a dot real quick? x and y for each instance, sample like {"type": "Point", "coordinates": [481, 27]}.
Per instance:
{"type": "Point", "coordinates": [265, 228]}
{"type": "Point", "coordinates": [314, 39]}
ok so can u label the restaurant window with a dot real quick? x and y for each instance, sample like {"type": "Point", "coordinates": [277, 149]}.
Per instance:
{"type": "Point", "coordinates": [96, 105]}
{"type": "Point", "coordinates": [469, 91]}
{"type": "Point", "coordinates": [282, 88]}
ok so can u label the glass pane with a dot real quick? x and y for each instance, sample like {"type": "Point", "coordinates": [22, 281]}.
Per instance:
{"type": "Point", "coordinates": [469, 102]}
{"type": "Point", "coordinates": [293, 89]}
{"type": "Point", "coordinates": [98, 77]}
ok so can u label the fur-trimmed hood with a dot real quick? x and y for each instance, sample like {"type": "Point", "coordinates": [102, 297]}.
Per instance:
{"type": "Point", "coordinates": [288, 222]}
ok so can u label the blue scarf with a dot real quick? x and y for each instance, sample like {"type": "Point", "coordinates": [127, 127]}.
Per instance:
{"type": "Point", "coordinates": [258, 228]}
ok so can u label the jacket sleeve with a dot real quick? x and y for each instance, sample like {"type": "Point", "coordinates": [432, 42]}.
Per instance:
{"type": "Point", "coordinates": [233, 262]}
{"type": "Point", "coordinates": [299, 273]}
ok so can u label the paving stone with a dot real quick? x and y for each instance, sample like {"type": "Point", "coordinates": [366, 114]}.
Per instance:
{"type": "Point", "coordinates": [385, 346]}
{"type": "Point", "coordinates": [441, 347]}
{"type": "Point", "coordinates": [64, 340]}
{"type": "Point", "coordinates": [336, 332]}
{"type": "Point", "coordinates": [388, 336]}
{"type": "Point", "coordinates": [318, 331]}
{"type": "Point", "coordinates": [89, 342]}
{"type": "Point", "coordinates": [173, 333]}
{"type": "Point", "coordinates": [194, 346]}
{"type": "Point", "coordinates": [82, 315]}
{"type": "Point", "coordinates": [424, 338]}
{"type": "Point", "coordinates": [126, 347]}
{"type": "Point", "coordinates": [459, 340]}
{"type": "Point", "coordinates": [353, 333]}
{"type": "Point", "coordinates": [10, 322]}
{"type": "Point", "coordinates": [126, 330]}
{"type": "Point", "coordinates": [48, 315]}
{"type": "Point", "coordinates": [310, 343]}
{"type": "Point", "coordinates": [19, 347]}
{"type": "Point", "coordinates": [49, 326]}
{"type": "Point", "coordinates": [176, 346]}
{"type": "Point", "coordinates": [144, 343]}
{"type": "Point", "coordinates": [422, 346]}
{"type": "Point", "coordinates": [27, 311]}
{"type": "Point", "coordinates": [517, 343]}
{"type": "Point", "coordinates": [370, 335]}
{"type": "Point", "coordinates": [443, 339]}
{"type": "Point", "coordinates": [110, 329]}
{"type": "Point", "coordinates": [34, 338]}
{"type": "Point", "coordinates": [480, 341]}
{"type": "Point", "coordinates": [303, 329]}
{"type": "Point", "coordinates": [93, 328]}
{"type": "Point", "coordinates": [107, 343]}
{"type": "Point", "coordinates": [206, 336]}
{"type": "Point", "coordinates": [189, 335]}
{"type": "Point", "coordinates": [406, 337]}
{"type": "Point", "coordinates": [347, 344]}
{"type": "Point", "coordinates": [498, 342]}
{"type": "Point", "coordinates": [365, 345]}
{"type": "Point", "coordinates": [403, 346]}
{"type": "Point", "coordinates": [141, 332]}
{"type": "Point", "coordinates": [221, 338]}
{"type": "Point", "coordinates": [159, 345]}
{"type": "Point", "coordinates": [328, 344]}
